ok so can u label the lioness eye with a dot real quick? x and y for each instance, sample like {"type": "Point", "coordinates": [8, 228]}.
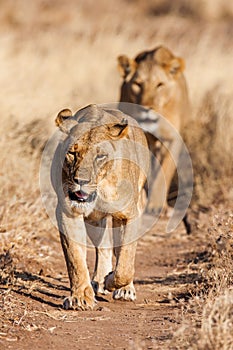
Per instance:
{"type": "Point", "coordinates": [101, 156]}
{"type": "Point", "coordinates": [71, 153]}
{"type": "Point", "coordinates": [70, 156]}
{"type": "Point", "coordinates": [159, 85]}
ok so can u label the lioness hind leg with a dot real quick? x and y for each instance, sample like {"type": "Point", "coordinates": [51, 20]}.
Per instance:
{"type": "Point", "coordinates": [125, 293]}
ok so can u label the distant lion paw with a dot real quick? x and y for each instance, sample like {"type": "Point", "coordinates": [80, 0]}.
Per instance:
{"type": "Point", "coordinates": [127, 293]}
{"type": "Point", "coordinates": [154, 209]}
{"type": "Point", "coordinates": [81, 300]}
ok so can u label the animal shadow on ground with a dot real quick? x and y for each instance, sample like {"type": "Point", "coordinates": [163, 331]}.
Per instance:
{"type": "Point", "coordinates": [182, 284]}
{"type": "Point", "coordinates": [51, 291]}
{"type": "Point", "coordinates": [44, 289]}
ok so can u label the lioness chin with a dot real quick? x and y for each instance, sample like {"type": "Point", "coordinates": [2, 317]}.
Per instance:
{"type": "Point", "coordinates": [99, 172]}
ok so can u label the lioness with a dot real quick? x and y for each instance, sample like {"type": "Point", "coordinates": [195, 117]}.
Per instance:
{"type": "Point", "coordinates": [155, 80]}
{"type": "Point", "coordinates": [103, 161]}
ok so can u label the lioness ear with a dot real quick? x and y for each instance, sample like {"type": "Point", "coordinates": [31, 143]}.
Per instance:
{"type": "Point", "coordinates": [63, 122]}
{"type": "Point", "coordinates": [176, 65]}
{"type": "Point", "coordinates": [126, 67]}
{"type": "Point", "coordinates": [118, 130]}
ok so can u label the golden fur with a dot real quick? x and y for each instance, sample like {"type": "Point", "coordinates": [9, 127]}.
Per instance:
{"type": "Point", "coordinates": [155, 80]}
{"type": "Point", "coordinates": [102, 188]}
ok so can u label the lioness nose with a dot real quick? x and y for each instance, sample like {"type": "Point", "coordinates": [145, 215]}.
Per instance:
{"type": "Point", "coordinates": [80, 181]}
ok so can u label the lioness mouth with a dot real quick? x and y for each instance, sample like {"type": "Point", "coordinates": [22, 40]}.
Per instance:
{"type": "Point", "coordinates": [81, 196]}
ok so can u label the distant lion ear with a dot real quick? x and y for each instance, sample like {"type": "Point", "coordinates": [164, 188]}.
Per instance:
{"type": "Point", "coordinates": [176, 65]}
{"type": "Point", "coordinates": [126, 66]}
{"type": "Point", "coordinates": [119, 130]}
{"type": "Point", "coordinates": [64, 120]}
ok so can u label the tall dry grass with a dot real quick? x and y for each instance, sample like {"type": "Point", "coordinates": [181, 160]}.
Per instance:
{"type": "Point", "coordinates": [208, 316]}
{"type": "Point", "coordinates": [210, 328]}
{"type": "Point", "coordinates": [210, 145]}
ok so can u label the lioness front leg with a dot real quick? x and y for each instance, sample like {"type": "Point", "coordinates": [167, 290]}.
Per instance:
{"type": "Point", "coordinates": [82, 295]}
{"type": "Point", "coordinates": [103, 266]}
{"type": "Point", "coordinates": [101, 236]}
{"type": "Point", "coordinates": [120, 281]}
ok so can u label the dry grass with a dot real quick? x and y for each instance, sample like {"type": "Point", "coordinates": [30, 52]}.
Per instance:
{"type": "Point", "coordinates": [210, 328]}
{"type": "Point", "coordinates": [208, 316]}
{"type": "Point", "coordinates": [213, 132]}
{"type": "Point", "coordinates": [217, 322]}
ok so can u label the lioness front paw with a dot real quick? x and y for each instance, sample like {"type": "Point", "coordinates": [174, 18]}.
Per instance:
{"type": "Point", "coordinates": [81, 300]}
{"type": "Point", "coordinates": [125, 293]}
{"type": "Point", "coordinates": [109, 282]}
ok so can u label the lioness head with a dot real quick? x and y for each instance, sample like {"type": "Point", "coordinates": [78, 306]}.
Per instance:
{"type": "Point", "coordinates": [90, 156]}
{"type": "Point", "coordinates": [151, 78]}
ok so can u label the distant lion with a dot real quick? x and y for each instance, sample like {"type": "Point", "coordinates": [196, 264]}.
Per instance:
{"type": "Point", "coordinates": [155, 80]}
{"type": "Point", "coordinates": [101, 186]}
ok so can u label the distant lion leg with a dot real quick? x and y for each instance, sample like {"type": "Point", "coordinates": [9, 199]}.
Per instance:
{"type": "Point", "coordinates": [161, 184]}
{"type": "Point", "coordinates": [157, 194]}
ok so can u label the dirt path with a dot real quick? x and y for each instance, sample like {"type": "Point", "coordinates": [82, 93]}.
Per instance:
{"type": "Point", "coordinates": [164, 277]}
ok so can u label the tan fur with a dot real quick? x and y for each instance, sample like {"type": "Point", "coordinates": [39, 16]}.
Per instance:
{"type": "Point", "coordinates": [154, 79]}
{"type": "Point", "coordinates": [97, 169]}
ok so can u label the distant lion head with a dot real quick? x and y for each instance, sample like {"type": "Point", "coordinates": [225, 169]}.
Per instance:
{"type": "Point", "coordinates": [151, 78]}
